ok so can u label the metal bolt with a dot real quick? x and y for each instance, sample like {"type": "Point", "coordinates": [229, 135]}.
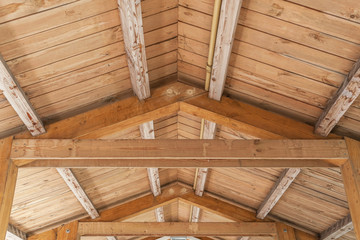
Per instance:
{"type": "Point", "coordinates": [285, 230]}
{"type": "Point", "coordinates": [67, 230]}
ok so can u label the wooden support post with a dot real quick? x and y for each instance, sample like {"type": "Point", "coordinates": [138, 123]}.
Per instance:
{"type": "Point", "coordinates": [177, 229]}
{"type": "Point", "coordinates": [281, 185]}
{"type": "Point", "coordinates": [351, 176]}
{"type": "Point", "coordinates": [132, 27]}
{"type": "Point", "coordinates": [18, 100]}
{"type": "Point", "coordinates": [8, 175]}
{"type": "Point", "coordinates": [285, 232]}
{"type": "Point", "coordinates": [341, 102]}
{"type": "Point", "coordinates": [68, 231]}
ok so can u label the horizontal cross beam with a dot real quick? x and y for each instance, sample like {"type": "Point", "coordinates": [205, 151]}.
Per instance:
{"type": "Point", "coordinates": [178, 153]}
{"type": "Point", "coordinates": [176, 229]}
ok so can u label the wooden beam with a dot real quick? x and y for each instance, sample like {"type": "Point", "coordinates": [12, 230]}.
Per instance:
{"type": "Point", "coordinates": [229, 15]}
{"type": "Point", "coordinates": [285, 232]}
{"type": "Point", "coordinates": [281, 185]}
{"type": "Point", "coordinates": [252, 122]}
{"type": "Point", "coordinates": [195, 214]}
{"type": "Point", "coordinates": [178, 153]}
{"type": "Point", "coordinates": [339, 229]}
{"type": "Point", "coordinates": [18, 100]}
{"type": "Point", "coordinates": [159, 214]}
{"type": "Point", "coordinates": [147, 130]}
{"type": "Point", "coordinates": [8, 175]}
{"type": "Point", "coordinates": [67, 231]}
{"type": "Point", "coordinates": [341, 102]}
{"type": "Point", "coordinates": [120, 115]}
{"type": "Point", "coordinates": [201, 180]}
{"type": "Point", "coordinates": [177, 229]}
{"type": "Point", "coordinates": [14, 234]}
{"type": "Point", "coordinates": [132, 26]}
{"type": "Point", "coordinates": [351, 177]}
{"type": "Point", "coordinates": [111, 238]}
{"type": "Point", "coordinates": [78, 191]}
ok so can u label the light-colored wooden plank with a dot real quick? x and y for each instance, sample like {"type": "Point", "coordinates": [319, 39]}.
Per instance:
{"type": "Point", "coordinates": [111, 238]}
{"type": "Point", "coordinates": [200, 181]}
{"type": "Point", "coordinates": [78, 191]}
{"type": "Point", "coordinates": [339, 229]}
{"type": "Point", "coordinates": [132, 25]}
{"type": "Point", "coordinates": [279, 188]}
{"type": "Point", "coordinates": [177, 229]}
{"type": "Point", "coordinates": [67, 231]}
{"type": "Point", "coordinates": [229, 15]}
{"type": "Point", "coordinates": [178, 153]}
{"type": "Point", "coordinates": [159, 214]}
{"type": "Point", "coordinates": [351, 177]}
{"type": "Point", "coordinates": [8, 175]}
{"type": "Point", "coordinates": [154, 179]}
{"type": "Point", "coordinates": [195, 215]}
{"type": "Point", "coordinates": [14, 234]}
{"type": "Point", "coordinates": [18, 100]}
{"type": "Point", "coordinates": [341, 102]}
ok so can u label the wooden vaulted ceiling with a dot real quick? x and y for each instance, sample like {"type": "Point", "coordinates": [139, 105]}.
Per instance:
{"type": "Point", "coordinates": [288, 57]}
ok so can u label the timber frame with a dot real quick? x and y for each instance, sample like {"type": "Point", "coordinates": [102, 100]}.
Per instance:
{"type": "Point", "coordinates": [58, 148]}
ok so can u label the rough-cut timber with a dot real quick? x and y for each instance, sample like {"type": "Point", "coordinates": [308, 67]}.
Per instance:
{"type": "Point", "coordinates": [281, 185]}
{"type": "Point", "coordinates": [351, 177]}
{"type": "Point", "coordinates": [8, 174]}
{"type": "Point", "coordinates": [229, 15]}
{"type": "Point", "coordinates": [132, 26]}
{"type": "Point", "coordinates": [14, 234]}
{"type": "Point", "coordinates": [176, 229]}
{"type": "Point", "coordinates": [178, 153]}
{"type": "Point", "coordinates": [341, 102]}
{"type": "Point", "coordinates": [195, 215]}
{"type": "Point", "coordinates": [19, 101]}
{"type": "Point", "coordinates": [78, 191]}
{"type": "Point", "coordinates": [201, 180]}
{"type": "Point", "coordinates": [339, 229]}
{"type": "Point", "coordinates": [159, 214]}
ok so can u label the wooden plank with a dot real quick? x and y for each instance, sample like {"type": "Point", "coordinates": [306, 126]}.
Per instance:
{"type": "Point", "coordinates": [279, 188]}
{"type": "Point", "coordinates": [159, 214]}
{"type": "Point", "coordinates": [178, 153]}
{"type": "Point", "coordinates": [132, 25]}
{"type": "Point", "coordinates": [351, 177]}
{"type": "Point", "coordinates": [229, 15]}
{"type": "Point", "coordinates": [14, 234]}
{"type": "Point", "coordinates": [195, 215]}
{"type": "Point", "coordinates": [111, 238]}
{"type": "Point", "coordinates": [339, 229]}
{"type": "Point", "coordinates": [78, 191]}
{"type": "Point", "coordinates": [18, 100]}
{"type": "Point", "coordinates": [176, 229]}
{"type": "Point", "coordinates": [201, 180]}
{"type": "Point", "coordinates": [285, 232]}
{"type": "Point", "coordinates": [67, 231]}
{"type": "Point", "coordinates": [341, 102]}
{"type": "Point", "coordinates": [124, 114]}
{"type": "Point", "coordinates": [8, 174]}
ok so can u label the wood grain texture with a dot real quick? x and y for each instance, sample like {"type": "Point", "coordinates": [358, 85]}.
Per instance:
{"type": "Point", "coordinates": [229, 15]}
{"type": "Point", "coordinates": [177, 229]}
{"type": "Point", "coordinates": [179, 153]}
{"type": "Point", "coordinates": [132, 25]}
{"type": "Point", "coordinates": [14, 234]}
{"type": "Point", "coordinates": [78, 191]}
{"type": "Point", "coordinates": [341, 102]}
{"type": "Point", "coordinates": [351, 176]}
{"type": "Point", "coordinates": [280, 187]}
{"type": "Point", "coordinates": [339, 229]}
{"type": "Point", "coordinates": [18, 100]}
{"type": "Point", "coordinates": [8, 175]}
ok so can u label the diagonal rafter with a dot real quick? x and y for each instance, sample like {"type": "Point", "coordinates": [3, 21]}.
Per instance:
{"type": "Point", "coordinates": [281, 185]}
{"type": "Point", "coordinates": [19, 101]}
{"type": "Point", "coordinates": [339, 229]}
{"type": "Point", "coordinates": [340, 103]}
{"type": "Point", "coordinates": [14, 234]}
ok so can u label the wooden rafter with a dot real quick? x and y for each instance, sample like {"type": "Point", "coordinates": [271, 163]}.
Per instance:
{"type": "Point", "coordinates": [178, 153]}
{"type": "Point", "coordinates": [229, 15]}
{"type": "Point", "coordinates": [281, 185]}
{"type": "Point", "coordinates": [14, 234]}
{"type": "Point", "coordinates": [132, 26]}
{"type": "Point", "coordinates": [78, 191]}
{"type": "Point", "coordinates": [339, 229]}
{"type": "Point", "coordinates": [148, 132]}
{"type": "Point", "coordinates": [340, 103]}
{"type": "Point", "coordinates": [177, 229]}
{"type": "Point", "coordinates": [19, 101]}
